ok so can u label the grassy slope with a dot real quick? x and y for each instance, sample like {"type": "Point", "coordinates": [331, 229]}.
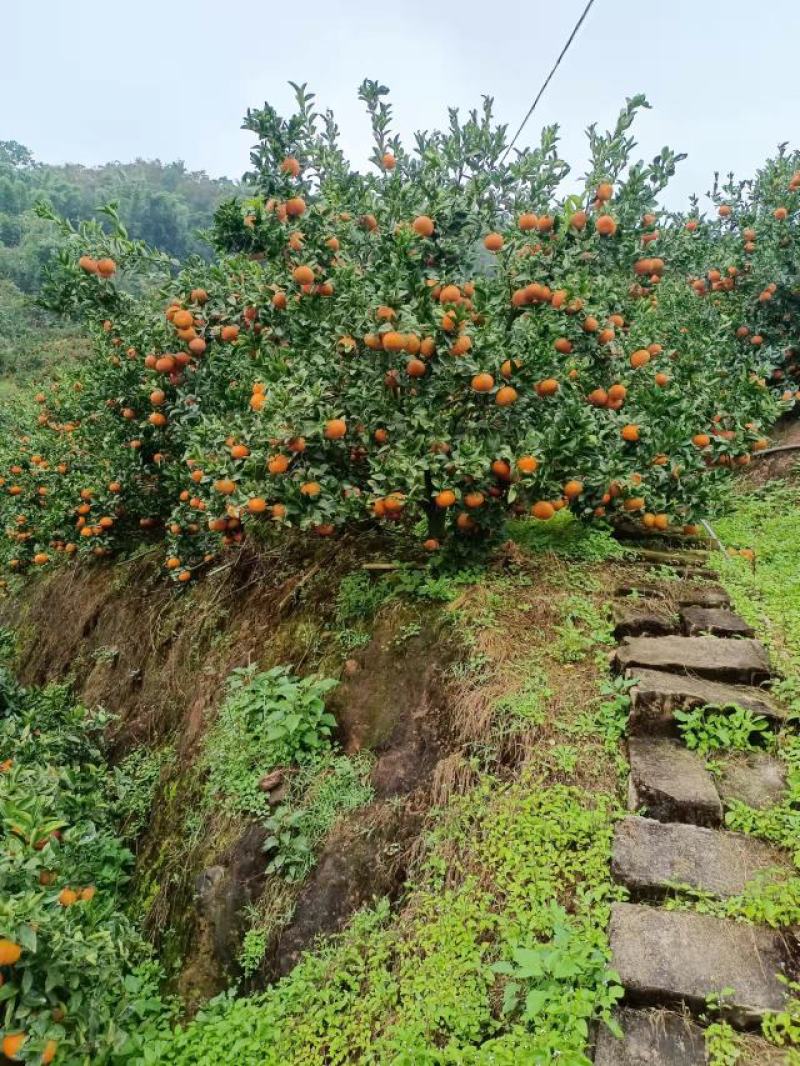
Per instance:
{"type": "Point", "coordinates": [516, 860]}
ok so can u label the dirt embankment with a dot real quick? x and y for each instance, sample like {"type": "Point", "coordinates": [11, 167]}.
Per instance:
{"type": "Point", "coordinates": [157, 658]}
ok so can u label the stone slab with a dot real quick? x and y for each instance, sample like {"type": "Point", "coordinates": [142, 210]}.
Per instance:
{"type": "Point", "coordinates": [681, 957]}
{"type": "Point", "coordinates": [685, 595]}
{"type": "Point", "coordinates": [651, 857]}
{"type": "Point", "coordinates": [658, 693]}
{"type": "Point", "coordinates": [644, 619]}
{"type": "Point", "coordinates": [759, 780]}
{"type": "Point", "coordinates": [671, 783]}
{"type": "Point", "coordinates": [651, 1038]}
{"type": "Point", "coordinates": [743, 662]}
{"type": "Point", "coordinates": [717, 621]}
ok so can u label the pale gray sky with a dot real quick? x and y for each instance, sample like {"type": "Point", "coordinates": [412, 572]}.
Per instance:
{"type": "Point", "coordinates": [92, 80]}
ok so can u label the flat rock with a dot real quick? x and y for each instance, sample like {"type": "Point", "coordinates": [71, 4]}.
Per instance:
{"type": "Point", "coordinates": [651, 1038]}
{"type": "Point", "coordinates": [651, 857]}
{"type": "Point", "coordinates": [685, 595]}
{"type": "Point", "coordinates": [671, 783]}
{"type": "Point", "coordinates": [758, 780]}
{"type": "Point", "coordinates": [657, 694]}
{"type": "Point", "coordinates": [717, 621]}
{"type": "Point", "coordinates": [739, 661]}
{"type": "Point", "coordinates": [672, 558]}
{"type": "Point", "coordinates": [681, 957]}
{"type": "Point", "coordinates": [650, 619]}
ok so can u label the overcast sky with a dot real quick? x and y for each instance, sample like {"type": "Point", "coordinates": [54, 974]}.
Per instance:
{"type": "Point", "coordinates": [88, 81]}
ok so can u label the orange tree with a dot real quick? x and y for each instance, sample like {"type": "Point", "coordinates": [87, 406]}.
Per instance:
{"type": "Point", "coordinates": [746, 261]}
{"type": "Point", "coordinates": [433, 345]}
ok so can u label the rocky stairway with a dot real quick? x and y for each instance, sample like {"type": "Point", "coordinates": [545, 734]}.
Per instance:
{"type": "Point", "coordinates": [683, 647]}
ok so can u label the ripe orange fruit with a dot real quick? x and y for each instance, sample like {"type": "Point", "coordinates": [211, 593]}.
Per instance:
{"type": "Point", "coordinates": [661, 521]}
{"type": "Point", "coordinates": [10, 953]}
{"type": "Point", "coordinates": [389, 161]}
{"type": "Point", "coordinates": [12, 1043]}
{"type": "Point", "coordinates": [310, 488]}
{"type": "Point", "coordinates": [381, 436]}
{"type": "Point", "coordinates": [445, 498]}
{"type": "Point", "coordinates": [505, 396]}
{"type": "Point", "coordinates": [49, 1052]}
{"type": "Point", "coordinates": [563, 346]}
{"type": "Point", "coordinates": [106, 268]}
{"type": "Point", "coordinates": [573, 489]}
{"type": "Point", "coordinates": [474, 499]}
{"type": "Point", "coordinates": [256, 505]}
{"type": "Point", "coordinates": [415, 368]}
{"type": "Point", "coordinates": [662, 379]}
{"type": "Point", "coordinates": [780, 213]}
{"type": "Point", "coordinates": [493, 242]}
{"type": "Point", "coordinates": [527, 464]}
{"type": "Point", "coordinates": [393, 341]}
{"type": "Point", "coordinates": [606, 226]}
{"type": "Point", "coordinates": [67, 897]}
{"type": "Point", "coordinates": [545, 224]}
{"type": "Point", "coordinates": [335, 429]}
{"type": "Point", "coordinates": [606, 336]}
{"type": "Point", "coordinates": [182, 319]}
{"type": "Point", "coordinates": [501, 469]}
{"type": "Point", "coordinates": [465, 522]}
{"type": "Point", "coordinates": [423, 226]}
{"type": "Point", "coordinates": [290, 166]}
{"type": "Point", "coordinates": [633, 503]}
{"type": "Point", "coordinates": [605, 190]}
{"type": "Point", "coordinates": [461, 345]}
{"type": "Point", "coordinates": [701, 440]}
{"type": "Point", "coordinates": [547, 387]}
{"type": "Point", "coordinates": [303, 275]}
{"type": "Point", "coordinates": [527, 221]}
{"type": "Point", "coordinates": [385, 314]}
{"type": "Point", "coordinates": [450, 294]}
{"type": "Point", "coordinates": [617, 392]}
{"type": "Point", "coordinates": [641, 357]}
{"type": "Point", "coordinates": [543, 510]}
{"type": "Point", "coordinates": [295, 207]}
{"type": "Point", "coordinates": [578, 220]}
{"type": "Point", "coordinates": [431, 544]}
{"type": "Point", "coordinates": [630, 432]}
{"type": "Point", "coordinates": [224, 486]}
{"type": "Point", "coordinates": [483, 383]}
{"type": "Point", "coordinates": [229, 333]}
{"type": "Point", "coordinates": [724, 211]}
{"type": "Point", "coordinates": [278, 464]}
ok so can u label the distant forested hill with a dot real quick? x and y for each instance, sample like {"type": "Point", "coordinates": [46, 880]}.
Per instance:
{"type": "Point", "coordinates": [161, 203]}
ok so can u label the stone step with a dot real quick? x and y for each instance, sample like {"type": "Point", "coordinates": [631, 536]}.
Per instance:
{"type": "Point", "coordinates": [651, 857]}
{"type": "Point", "coordinates": [759, 780]}
{"type": "Point", "coordinates": [671, 783]}
{"type": "Point", "coordinates": [657, 694]}
{"type": "Point", "coordinates": [653, 619]}
{"type": "Point", "coordinates": [672, 558]}
{"type": "Point", "coordinates": [690, 571]}
{"type": "Point", "coordinates": [685, 595]}
{"type": "Point", "coordinates": [651, 1038]}
{"type": "Point", "coordinates": [667, 958]}
{"type": "Point", "coordinates": [717, 621]}
{"type": "Point", "coordinates": [739, 661]}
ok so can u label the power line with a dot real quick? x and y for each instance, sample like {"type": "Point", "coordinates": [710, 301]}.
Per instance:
{"type": "Point", "coordinates": [547, 80]}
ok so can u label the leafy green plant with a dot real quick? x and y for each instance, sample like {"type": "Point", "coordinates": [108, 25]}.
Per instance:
{"type": "Point", "coordinates": [583, 628]}
{"type": "Point", "coordinates": [267, 720]}
{"type": "Point", "coordinates": [135, 781]}
{"type": "Point", "coordinates": [723, 1044]}
{"type": "Point", "coordinates": [549, 983]}
{"type": "Point", "coordinates": [568, 538]}
{"type": "Point", "coordinates": [705, 729]}
{"type": "Point", "coordinates": [321, 792]}
{"type": "Point", "coordinates": [83, 985]}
